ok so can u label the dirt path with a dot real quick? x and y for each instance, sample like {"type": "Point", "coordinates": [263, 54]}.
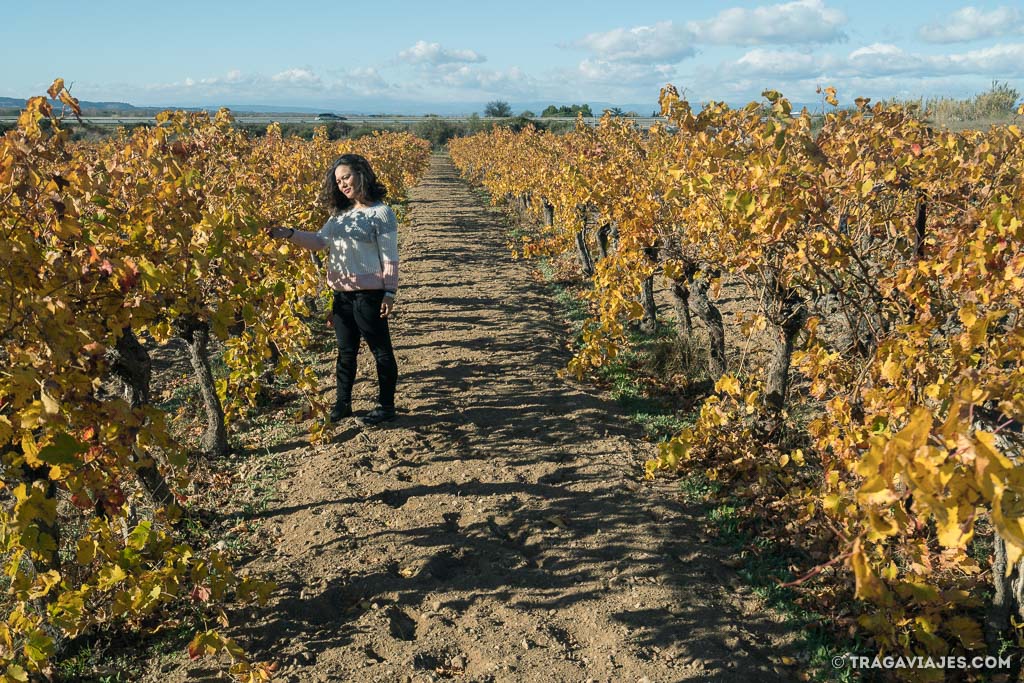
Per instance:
{"type": "Point", "coordinates": [500, 529]}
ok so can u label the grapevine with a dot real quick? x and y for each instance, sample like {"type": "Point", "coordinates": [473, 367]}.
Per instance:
{"type": "Point", "coordinates": [108, 248]}
{"type": "Point", "coordinates": [885, 259]}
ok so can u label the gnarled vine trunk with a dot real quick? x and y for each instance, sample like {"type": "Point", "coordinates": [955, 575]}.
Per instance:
{"type": "Point", "coordinates": [679, 286]}
{"type": "Point", "coordinates": [549, 214]}
{"type": "Point", "coordinates": [586, 261]}
{"type": "Point", "coordinates": [1008, 592]}
{"type": "Point", "coordinates": [680, 291]}
{"type": "Point", "coordinates": [197, 336]}
{"type": "Point", "coordinates": [131, 364]}
{"type": "Point", "coordinates": [1008, 586]}
{"type": "Point", "coordinates": [712, 319]}
{"type": "Point", "coordinates": [582, 250]}
{"type": "Point", "coordinates": [787, 314]}
{"type": "Point", "coordinates": [603, 235]}
{"type": "Point", "coordinates": [649, 322]}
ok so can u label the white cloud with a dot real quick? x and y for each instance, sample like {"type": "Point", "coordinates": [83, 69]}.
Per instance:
{"type": "Point", "coordinates": [665, 42]}
{"type": "Point", "coordinates": [801, 21]}
{"type": "Point", "coordinates": [876, 61]}
{"type": "Point", "coordinates": [364, 77]}
{"type": "Point", "coordinates": [999, 61]}
{"type": "Point", "coordinates": [616, 73]}
{"type": "Point", "coordinates": [290, 84]}
{"type": "Point", "coordinates": [298, 77]}
{"type": "Point", "coordinates": [512, 81]}
{"type": "Point", "coordinates": [781, 64]}
{"type": "Point", "coordinates": [433, 53]}
{"type": "Point", "coordinates": [233, 77]}
{"type": "Point", "coordinates": [362, 81]}
{"type": "Point", "coordinates": [884, 59]}
{"type": "Point", "coordinates": [971, 23]}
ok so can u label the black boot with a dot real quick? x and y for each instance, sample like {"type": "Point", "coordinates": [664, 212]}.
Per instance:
{"type": "Point", "coordinates": [378, 415]}
{"type": "Point", "coordinates": [341, 410]}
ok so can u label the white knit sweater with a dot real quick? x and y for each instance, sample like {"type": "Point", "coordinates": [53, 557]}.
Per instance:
{"type": "Point", "coordinates": [363, 247]}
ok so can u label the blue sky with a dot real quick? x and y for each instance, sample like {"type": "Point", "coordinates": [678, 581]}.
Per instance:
{"type": "Point", "coordinates": [452, 57]}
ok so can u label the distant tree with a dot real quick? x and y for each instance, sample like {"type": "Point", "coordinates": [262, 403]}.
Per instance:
{"type": "Point", "coordinates": [527, 114]}
{"type": "Point", "coordinates": [498, 109]}
{"type": "Point", "coordinates": [475, 124]}
{"type": "Point", "coordinates": [338, 129]}
{"type": "Point", "coordinates": [517, 124]}
{"type": "Point", "coordinates": [564, 110]}
{"type": "Point", "coordinates": [437, 130]}
{"type": "Point", "coordinates": [615, 111]}
{"type": "Point", "coordinates": [632, 114]}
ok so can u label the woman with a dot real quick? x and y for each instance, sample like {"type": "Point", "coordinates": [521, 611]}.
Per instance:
{"type": "Point", "coordinates": [362, 269]}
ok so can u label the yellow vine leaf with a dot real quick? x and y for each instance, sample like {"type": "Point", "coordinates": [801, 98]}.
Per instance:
{"type": "Point", "coordinates": [868, 585]}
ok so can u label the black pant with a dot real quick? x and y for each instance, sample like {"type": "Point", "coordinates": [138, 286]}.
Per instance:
{"type": "Point", "coordinates": [357, 315]}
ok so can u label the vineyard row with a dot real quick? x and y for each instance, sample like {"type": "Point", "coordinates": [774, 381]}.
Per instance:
{"type": "Point", "coordinates": [885, 262]}
{"type": "Point", "coordinates": [107, 250]}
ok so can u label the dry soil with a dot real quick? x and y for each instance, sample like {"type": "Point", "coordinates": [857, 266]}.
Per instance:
{"type": "Point", "coordinates": [500, 529]}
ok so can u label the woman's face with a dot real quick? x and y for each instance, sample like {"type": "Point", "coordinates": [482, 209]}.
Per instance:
{"type": "Point", "coordinates": [346, 182]}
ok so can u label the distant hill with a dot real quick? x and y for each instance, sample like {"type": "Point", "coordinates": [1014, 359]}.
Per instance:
{"type": "Point", "coordinates": [87, 106]}
{"type": "Point", "coordinates": [106, 108]}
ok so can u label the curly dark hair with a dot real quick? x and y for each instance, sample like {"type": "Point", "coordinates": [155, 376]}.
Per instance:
{"type": "Point", "coordinates": [364, 181]}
